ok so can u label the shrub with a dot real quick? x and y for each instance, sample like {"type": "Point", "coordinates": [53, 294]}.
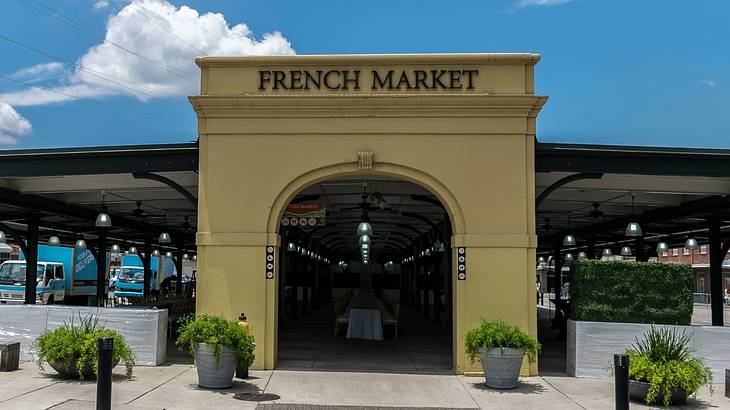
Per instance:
{"type": "Point", "coordinates": [664, 359]}
{"type": "Point", "coordinates": [497, 333]}
{"type": "Point", "coordinates": [216, 331]}
{"type": "Point", "coordinates": [631, 292]}
{"type": "Point", "coordinates": [78, 342]}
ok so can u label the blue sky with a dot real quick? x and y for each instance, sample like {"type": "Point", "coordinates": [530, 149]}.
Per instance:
{"type": "Point", "coordinates": [617, 72]}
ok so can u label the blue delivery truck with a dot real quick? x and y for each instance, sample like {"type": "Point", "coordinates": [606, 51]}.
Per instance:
{"type": "Point", "coordinates": [64, 275]}
{"type": "Point", "coordinates": [130, 276]}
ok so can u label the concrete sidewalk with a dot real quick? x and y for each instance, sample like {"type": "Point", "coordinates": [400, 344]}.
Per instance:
{"type": "Point", "coordinates": [174, 386]}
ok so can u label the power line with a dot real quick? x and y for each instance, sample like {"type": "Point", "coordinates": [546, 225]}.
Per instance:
{"type": "Point", "coordinates": [54, 14]}
{"type": "Point", "coordinates": [95, 73]}
{"type": "Point", "coordinates": [76, 97]}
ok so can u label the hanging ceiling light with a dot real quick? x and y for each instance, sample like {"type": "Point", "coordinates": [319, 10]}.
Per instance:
{"type": "Point", "coordinates": [156, 252]}
{"type": "Point", "coordinates": [291, 247]}
{"type": "Point", "coordinates": [168, 254]}
{"type": "Point", "coordinates": [633, 228]}
{"type": "Point", "coordinates": [54, 241]}
{"type": "Point", "coordinates": [568, 256]}
{"type": "Point", "coordinates": [80, 244]}
{"type": "Point", "coordinates": [195, 257]}
{"type": "Point", "coordinates": [607, 253]}
{"type": "Point", "coordinates": [364, 239]}
{"type": "Point", "coordinates": [427, 252]}
{"type": "Point", "coordinates": [302, 251]}
{"type": "Point", "coordinates": [3, 238]}
{"type": "Point", "coordinates": [582, 256]}
{"type": "Point", "coordinates": [569, 240]}
{"type": "Point", "coordinates": [103, 220]}
{"type": "Point", "coordinates": [132, 250]}
{"type": "Point", "coordinates": [164, 236]}
{"type": "Point", "coordinates": [438, 246]}
{"type": "Point", "coordinates": [541, 259]}
{"type": "Point", "coordinates": [625, 251]}
{"type": "Point", "coordinates": [365, 246]}
{"type": "Point", "coordinates": [115, 249]}
{"type": "Point", "coordinates": [364, 229]}
{"type": "Point", "coordinates": [691, 244]}
{"type": "Point", "coordinates": [662, 247]}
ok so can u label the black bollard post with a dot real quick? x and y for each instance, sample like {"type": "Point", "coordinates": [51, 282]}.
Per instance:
{"type": "Point", "coordinates": [105, 349]}
{"type": "Point", "coordinates": [621, 376]}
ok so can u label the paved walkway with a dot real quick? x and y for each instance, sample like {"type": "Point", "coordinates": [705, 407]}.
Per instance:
{"type": "Point", "coordinates": [174, 387]}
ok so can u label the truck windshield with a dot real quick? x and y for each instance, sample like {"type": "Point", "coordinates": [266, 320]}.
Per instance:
{"type": "Point", "coordinates": [131, 275]}
{"type": "Point", "coordinates": [15, 273]}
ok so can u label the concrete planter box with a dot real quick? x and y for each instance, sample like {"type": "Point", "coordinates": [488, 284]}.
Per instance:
{"type": "Point", "coordinates": [145, 330]}
{"type": "Point", "coordinates": [591, 346]}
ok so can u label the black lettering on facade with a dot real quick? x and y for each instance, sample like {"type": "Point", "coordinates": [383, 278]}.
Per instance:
{"type": "Point", "coordinates": [470, 79]}
{"type": "Point", "coordinates": [327, 82]}
{"type": "Point", "coordinates": [295, 80]}
{"type": "Point", "coordinates": [404, 80]}
{"type": "Point", "coordinates": [309, 78]}
{"type": "Point", "coordinates": [279, 77]}
{"type": "Point", "coordinates": [379, 83]}
{"type": "Point", "coordinates": [436, 79]}
{"type": "Point", "coordinates": [264, 78]}
{"type": "Point", "coordinates": [421, 79]}
{"type": "Point", "coordinates": [355, 80]}
{"type": "Point", "coordinates": [455, 79]}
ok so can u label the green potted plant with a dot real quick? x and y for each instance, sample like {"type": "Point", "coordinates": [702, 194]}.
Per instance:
{"type": "Point", "coordinates": [501, 349]}
{"type": "Point", "coordinates": [219, 346]}
{"type": "Point", "coordinates": [71, 349]}
{"type": "Point", "coordinates": [663, 368]}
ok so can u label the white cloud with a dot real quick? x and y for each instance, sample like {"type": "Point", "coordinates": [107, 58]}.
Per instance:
{"type": "Point", "coordinates": [12, 125]}
{"type": "Point", "coordinates": [171, 36]}
{"type": "Point", "coordinates": [38, 72]}
{"type": "Point", "coordinates": [101, 4]}
{"type": "Point", "coordinates": [546, 3]}
{"type": "Point", "coordinates": [708, 83]}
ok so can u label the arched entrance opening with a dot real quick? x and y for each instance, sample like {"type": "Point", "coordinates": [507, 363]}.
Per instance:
{"type": "Point", "coordinates": [380, 304]}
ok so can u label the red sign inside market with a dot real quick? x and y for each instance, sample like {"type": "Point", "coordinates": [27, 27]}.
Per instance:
{"type": "Point", "coordinates": [304, 215]}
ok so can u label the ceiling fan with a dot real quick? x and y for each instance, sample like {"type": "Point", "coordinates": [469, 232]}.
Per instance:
{"type": "Point", "coordinates": [596, 213]}
{"type": "Point", "coordinates": [374, 202]}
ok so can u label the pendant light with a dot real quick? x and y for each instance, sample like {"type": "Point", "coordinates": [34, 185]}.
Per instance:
{"type": "Point", "coordinates": [291, 247]}
{"type": "Point", "coordinates": [438, 246]}
{"type": "Point", "coordinates": [427, 252]}
{"type": "Point", "coordinates": [80, 244]}
{"type": "Point", "coordinates": [364, 228]}
{"type": "Point", "coordinates": [168, 254]}
{"type": "Point", "coordinates": [302, 251]}
{"type": "Point", "coordinates": [156, 252]}
{"type": "Point", "coordinates": [103, 220]}
{"type": "Point", "coordinates": [569, 240]}
{"type": "Point", "coordinates": [607, 253]}
{"type": "Point", "coordinates": [186, 256]}
{"type": "Point", "coordinates": [132, 250]}
{"type": "Point", "coordinates": [625, 251]}
{"type": "Point", "coordinates": [633, 228]}
{"type": "Point", "coordinates": [662, 247]}
{"type": "Point", "coordinates": [195, 258]}
{"type": "Point", "coordinates": [364, 239]}
{"type": "Point", "coordinates": [582, 256]}
{"type": "Point", "coordinates": [115, 249]}
{"type": "Point", "coordinates": [164, 236]}
{"type": "Point", "coordinates": [541, 259]}
{"type": "Point", "coordinates": [3, 238]}
{"type": "Point", "coordinates": [365, 246]}
{"type": "Point", "coordinates": [54, 241]}
{"type": "Point", "coordinates": [568, 257]}
{"type": "Point", "coordinates": [691, 244]}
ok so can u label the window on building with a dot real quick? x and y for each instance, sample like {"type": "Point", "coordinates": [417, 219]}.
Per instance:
{"type": "Point", "coordinates": [665, 253]}
{"type": "Point", "coordinates": [703, 249]}
{"type": "Point", "coordinates": [685, 251]}
{"type": "Point", "coordinates": [675, 252]}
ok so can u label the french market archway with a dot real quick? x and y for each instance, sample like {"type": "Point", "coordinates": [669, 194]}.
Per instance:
{"type": "Point", "coordinates": [460, 125]}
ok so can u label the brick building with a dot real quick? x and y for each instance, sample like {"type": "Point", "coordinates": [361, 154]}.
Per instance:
{"type": "Point", "coordinates": [700, 261]}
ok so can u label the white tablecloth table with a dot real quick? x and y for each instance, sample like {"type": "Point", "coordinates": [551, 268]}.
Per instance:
{"type": "Point", "coordinates": [365, 324]}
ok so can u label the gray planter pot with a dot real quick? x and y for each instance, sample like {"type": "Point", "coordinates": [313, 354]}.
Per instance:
{"type": "Point", "coordinates": [212, 373]}
{"type": "Point", "coordinates": [502, 366]}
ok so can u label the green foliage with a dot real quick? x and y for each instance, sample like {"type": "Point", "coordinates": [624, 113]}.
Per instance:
{"type": "Point", "coordinates": [216, 331]}
{"type": "Point", "coordinates": [664, 359]}
{"type": "Point", "coordinates": [78, 342]}
{"type": "Point", "coordinates": [631, 292]}
{"type": "Point", "coordinates": [499, 334]}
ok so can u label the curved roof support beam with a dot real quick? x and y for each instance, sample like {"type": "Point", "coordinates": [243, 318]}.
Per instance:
{"type": "Point", "coordinates": [167, 181]}
{"type": "Point", "coordinates": [564, 181]}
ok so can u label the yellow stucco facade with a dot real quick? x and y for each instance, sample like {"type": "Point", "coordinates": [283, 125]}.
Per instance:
{"type": "Point", "coordinates": [460, 125]}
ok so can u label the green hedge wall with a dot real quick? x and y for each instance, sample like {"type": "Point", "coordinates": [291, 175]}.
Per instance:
{"type": "Point", "coordinates": [631, 292]}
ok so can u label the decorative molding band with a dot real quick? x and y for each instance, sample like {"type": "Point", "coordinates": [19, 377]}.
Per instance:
{"type": "Point", "coordinates": [236, 239]}
{"type": "Point", "coordinates": [494, 240]}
